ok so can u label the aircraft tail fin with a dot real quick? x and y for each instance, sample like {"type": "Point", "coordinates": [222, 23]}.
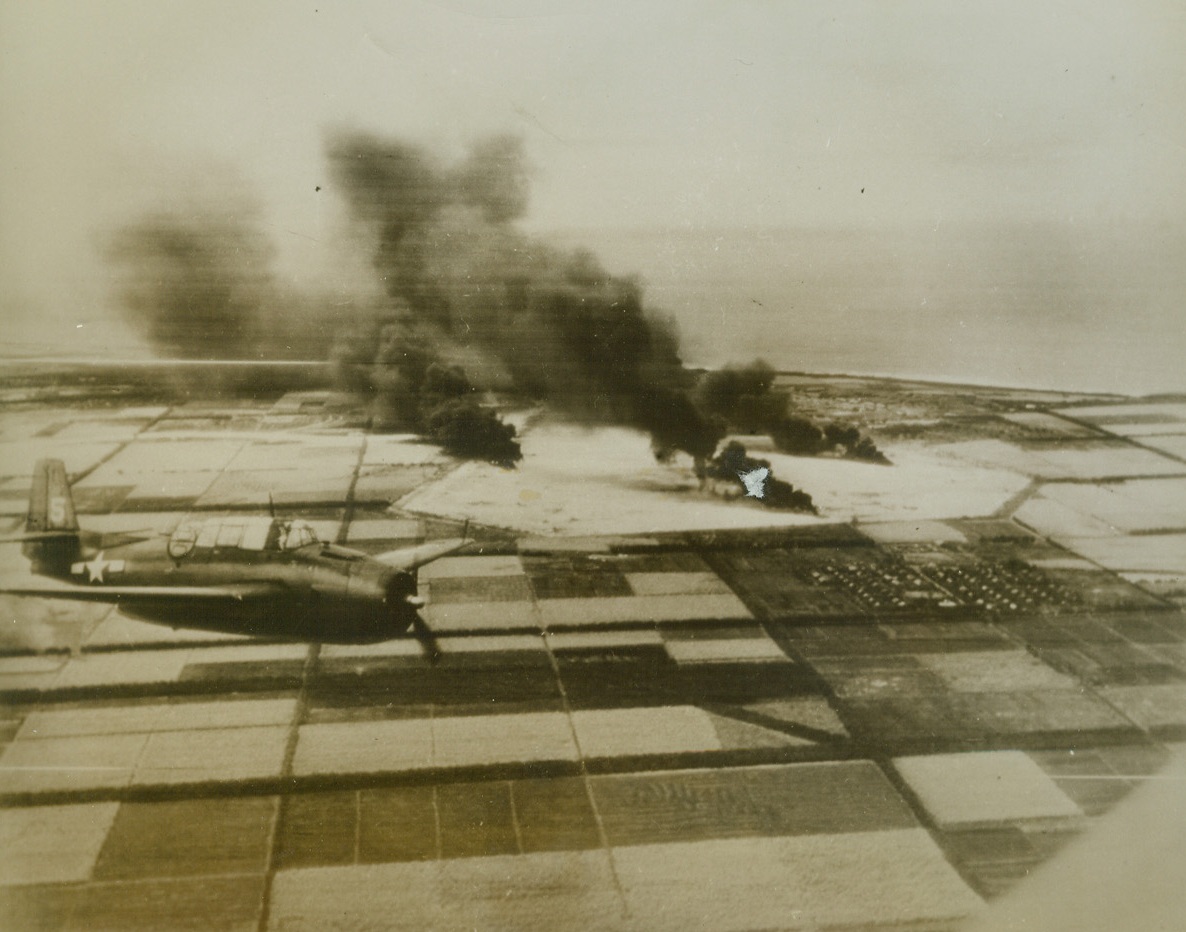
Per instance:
{"type": "Point", "coordinates": [51, 527]}
{"type": "Point", "coordinates": [51, 507]}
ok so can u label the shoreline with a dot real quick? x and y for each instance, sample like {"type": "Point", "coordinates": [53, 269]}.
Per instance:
{"type": "Point", "coordinates": [11, 367]}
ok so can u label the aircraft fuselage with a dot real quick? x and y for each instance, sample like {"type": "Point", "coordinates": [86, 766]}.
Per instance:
{"type": "Point", "coordinates": [240, 573]}
{"type": "Point", "coordinates": [320, 591]}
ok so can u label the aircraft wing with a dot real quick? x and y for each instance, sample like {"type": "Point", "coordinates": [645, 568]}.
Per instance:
{"type": "Point", "coordinates": [107, 541]}
{"type": "Point", "coordinates": [132, 594]}
{"type": "Point", "coordinates": [412, 557]}
{"type": "Point", "coordinates": [28, 536]}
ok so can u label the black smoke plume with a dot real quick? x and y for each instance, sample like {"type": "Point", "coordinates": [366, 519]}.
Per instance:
{"type": "Point", "coordinates": [411, 388]}
{"type": "Point", "coordinates": [198, 284]}
{"type": "Point", "coordinates": [194, 286]}
{"type": "Point", "coordinates": [745, 398]}
{"type": "Point", "coordinates": [733, 464]}
{"type": "Point", "coordinates": [465, 299]}
{"type": "Point", "coordinates": [463, 283]}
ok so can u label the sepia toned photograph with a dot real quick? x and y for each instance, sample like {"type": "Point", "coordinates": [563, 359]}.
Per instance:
{"type": "Point", "coordinates": [545, 465]}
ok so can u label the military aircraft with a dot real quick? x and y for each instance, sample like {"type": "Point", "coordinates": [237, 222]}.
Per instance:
{"type": "Point", "coordinates": [262, 576]}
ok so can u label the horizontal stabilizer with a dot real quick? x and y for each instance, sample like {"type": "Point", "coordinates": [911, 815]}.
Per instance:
{"type": "Point", "coordinates": [27, 536]}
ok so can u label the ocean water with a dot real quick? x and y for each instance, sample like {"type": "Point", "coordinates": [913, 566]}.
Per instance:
{"type": "Point", "coordinates": [1040, 306]}
{"type": "Point", "coordinates": [1051, 306]}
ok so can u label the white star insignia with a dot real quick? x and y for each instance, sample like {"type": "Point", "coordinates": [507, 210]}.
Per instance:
{"type": "Point", "coordinates": [95, 568]}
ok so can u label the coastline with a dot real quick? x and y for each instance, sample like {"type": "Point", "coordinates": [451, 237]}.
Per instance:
{"type": "Point", "coordinates": [318, 370]}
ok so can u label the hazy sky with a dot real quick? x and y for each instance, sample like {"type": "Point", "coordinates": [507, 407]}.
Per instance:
{"type": "Point", "coordinates": [688, 116]}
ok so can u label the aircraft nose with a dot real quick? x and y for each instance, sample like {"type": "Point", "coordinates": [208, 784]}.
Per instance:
{"type": "Point", "coordinates": [370, 582]}
{"type": "Point", "coordinates": [401, 591]}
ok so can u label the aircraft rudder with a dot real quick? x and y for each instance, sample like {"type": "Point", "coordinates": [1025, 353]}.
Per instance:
{"type": "Point", "coordinates": [52, 516]}
{"type": "Point", "coordinates": [51, 506]}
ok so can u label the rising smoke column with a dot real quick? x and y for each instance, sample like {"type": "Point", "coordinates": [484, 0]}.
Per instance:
{"type": "Point", "coordinates": [196, 287]}
{"type": "Point", "coordinates": [198, 284]}
{"type": "Point", "coordinates": [460, 284]}
{"type": "Point", "coordinates": [464, 283]}
{"type": "Point", "coordinates": [746, 399]}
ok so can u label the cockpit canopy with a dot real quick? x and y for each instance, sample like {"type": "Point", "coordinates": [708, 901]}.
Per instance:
{"type": "Point", "coordinates": [241, 533]}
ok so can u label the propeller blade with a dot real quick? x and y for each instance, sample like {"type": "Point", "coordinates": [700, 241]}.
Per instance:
{"type": "Point", "coordinates": [427, 640]}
